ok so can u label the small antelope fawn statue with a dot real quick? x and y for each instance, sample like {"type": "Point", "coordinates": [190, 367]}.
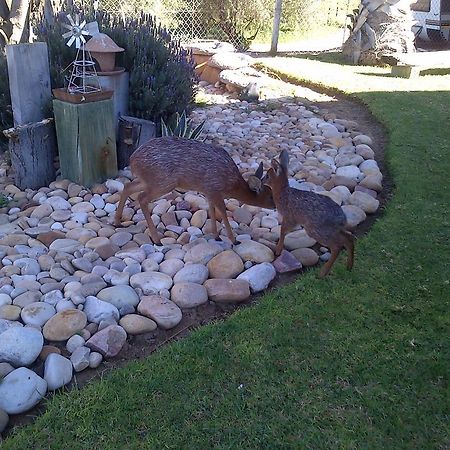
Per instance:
{"type": "Point", "coordinates": [167, 163]}
{"type": "Point", "coordinates": [319, 215]}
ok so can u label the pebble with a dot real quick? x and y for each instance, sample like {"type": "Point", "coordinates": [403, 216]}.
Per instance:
{"type": "Point", "coordinates": [74, 342]}
{"type": "Point", "coordinates": [119, 296]}
{"type": "Point", "coordinates": [194, 273]}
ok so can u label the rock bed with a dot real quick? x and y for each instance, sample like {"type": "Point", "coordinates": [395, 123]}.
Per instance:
{"type": "Point", "coordinates": [73, 287]}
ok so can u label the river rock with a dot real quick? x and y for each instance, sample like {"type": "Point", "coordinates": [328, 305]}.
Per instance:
{"type": "Point", "coordinates": [298, 239]}
{"type": "Point", "coordinates": [108, 341]}
{"type": "Point", "coordinates": [364, 201]}
{"type": "Point", "coordinates": [188, 295]}
{"type": "Point", "coordinates": [259, 276]}
{"type": "Point", "coordinates": [37, 314]}
{"type": "Point", "coordinates": [151, 282]}
{"type": "Point", "coordinates": [163, 311]}
{"type": "Point", "coordinates": [20, 346]}
{"type": "Point", "coordinates": [286, 262]}
{"type": "Point", "coordinates": [119, 296]}
{"type": "Point", "coordinates": [135, 324]}
{"type": "Point", "coordinates": [57, 371]}
{"type": "Point", "coordinates": [254, 251]}
{"type": "Point", "coordinates": [80, 358]}
{"type": "Point", "coordinates": [97, 310]}
{"type": "Point", "coordinates": [194, 273]}
{"type": "Point", "coordinates": [306, 256]}
{"type": "Point", "coordinates": [202, 253]}
{"type": "Point", "coordinates": [20, 390]}
{"type": "Point", "coordinates": [64, 324]}
{"type": "Point", "coordinates": [227, 291]}
{"type": "Point", "coordinates": [225, 265]}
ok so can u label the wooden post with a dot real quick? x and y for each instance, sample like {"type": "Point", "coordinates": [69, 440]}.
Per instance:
{"type": "Point", "coordinates": [29, 82]}
{"type": "Point", "coordinates": [133, 132]}
{"type": "Point", "coordinates": [32, 148]}
{"type": "Point", "coordinates": [86, 140]}
{"type": "Point", "coordinates": [276, 27]}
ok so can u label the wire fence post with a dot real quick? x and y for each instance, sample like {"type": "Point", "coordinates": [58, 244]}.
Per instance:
{"type": "Point", "coordinates": [276, 27]}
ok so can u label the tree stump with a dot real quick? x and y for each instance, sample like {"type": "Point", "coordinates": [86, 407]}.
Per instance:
{"type": "Point", "coordinates": [33, 148]}
{"type": "Point", "coordinates": [133, 132]}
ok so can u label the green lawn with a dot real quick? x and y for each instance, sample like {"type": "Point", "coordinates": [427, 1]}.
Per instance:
{"type": "Point", "coordinates": [359, 360]}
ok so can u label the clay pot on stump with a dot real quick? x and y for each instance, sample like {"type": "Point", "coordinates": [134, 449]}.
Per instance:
{"type": "Point", "coordinates": [104, 50]}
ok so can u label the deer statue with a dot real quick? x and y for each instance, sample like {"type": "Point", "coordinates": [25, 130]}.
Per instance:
{"type": "Point", "coordinates": [319, 215]}
{"type": "Point", "coordinates": [167, 163]}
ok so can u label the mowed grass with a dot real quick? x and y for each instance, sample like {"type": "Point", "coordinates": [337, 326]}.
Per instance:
{"type": "Point", "coordinates": [359, 360]}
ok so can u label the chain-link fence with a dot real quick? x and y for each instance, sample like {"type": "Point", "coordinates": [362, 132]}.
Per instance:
{"type": "Point", "coordinates": [239, 21]}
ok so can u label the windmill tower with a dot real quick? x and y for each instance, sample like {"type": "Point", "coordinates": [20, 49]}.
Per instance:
{"type": "Point", "coordinates": [83, 79]}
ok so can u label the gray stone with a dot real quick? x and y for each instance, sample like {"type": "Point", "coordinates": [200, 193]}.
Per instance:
{"type": "Point", "coordinates": [259, 276]}
{"type": "Point", "coordinates": [202, 253]}
{"type": "Point", "coordinates": [37, 314]}
{"type": "Point", "coordinates": [97, 310]}
{"type": "Point", "coordinates": [135, 324]}
{"type": "Point", "coordinates": [74, 342]}
{"type": "Point", "coordinates": [119, 296]}
{"type": "Point", "coordinates": [80, 358]}
{"type": "Point", "coordinates": [163, 311]}
{"type": "Point", "coordinates": [188, 295]}
{"type": "Point", "coordinates": [20, 390]}
{"type": "Point", "coordinates": [57, 371]}
{"type": "Point", "coordinates": [151, 282]}
{"type": "Point", "coordinates": [254, 251]}
{"type": "Point", "coordinates": [20, 346]}
{"type": "Point", "coordinates": [194, 273]}
{"type": "Point", "coordinates": [108, 341]}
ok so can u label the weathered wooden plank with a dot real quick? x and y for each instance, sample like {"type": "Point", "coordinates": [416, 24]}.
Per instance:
{"type": "Point", "coordinates": [133, 132]}
{"type": "Point", "coordinates": [86, 141]}
{"type": "Point", "coordinates": [33, 148]}
{"type": "Point", "coordinates": [29, 82]}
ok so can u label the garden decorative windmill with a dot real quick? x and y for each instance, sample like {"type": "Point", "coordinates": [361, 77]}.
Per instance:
{"type": "Point", "coordinates": [84, 78]}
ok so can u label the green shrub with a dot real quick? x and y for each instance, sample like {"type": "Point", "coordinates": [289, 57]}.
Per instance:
{"type": "Point", "coordinates": [161, 75]}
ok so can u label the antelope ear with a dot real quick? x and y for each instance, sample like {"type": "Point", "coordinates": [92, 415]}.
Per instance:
{"type": "Point", "coordinates": [284, 160]}
{"type": "Point", "coordinates": [259, 171]}
{"type": "Point", "coordinates": [276, 167]}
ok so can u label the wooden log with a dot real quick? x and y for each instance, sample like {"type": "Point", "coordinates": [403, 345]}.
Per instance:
{"type": "Point", "coordinates": [133, 132]}
{"type": "Point", "coordinates": [29, 82]}
{"type": "Point", "coordinates": [33, 148]}
{"type": "Point", "coordinates": [86, 141]}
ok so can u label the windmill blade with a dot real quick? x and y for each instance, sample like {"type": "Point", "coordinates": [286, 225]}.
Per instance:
{"type": "Point", "coordinates": [67, 35]}
{"type": "Point", "coordinates": [77, 20]}
{"type": "Point", "coordinates": [69, 18]}
{"type": "Point", "coordinates": [83, 40]}
{"type": "Point", "coordinates": [92, 28]}
{"type": "Point", "coordinates": [77, 42]}
{"type": "Point", "coordinates": [66, 25]}
{"type": "Point", "coordinates": [70, 41]}
{"type": "Point", "coordinates": [82, 24]}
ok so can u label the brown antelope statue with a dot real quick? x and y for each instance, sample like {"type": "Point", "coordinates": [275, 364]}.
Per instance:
{"type": "Point", "coordinates": [320, 216]}
{"type": "Point", "coordinates": [167, 163]}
